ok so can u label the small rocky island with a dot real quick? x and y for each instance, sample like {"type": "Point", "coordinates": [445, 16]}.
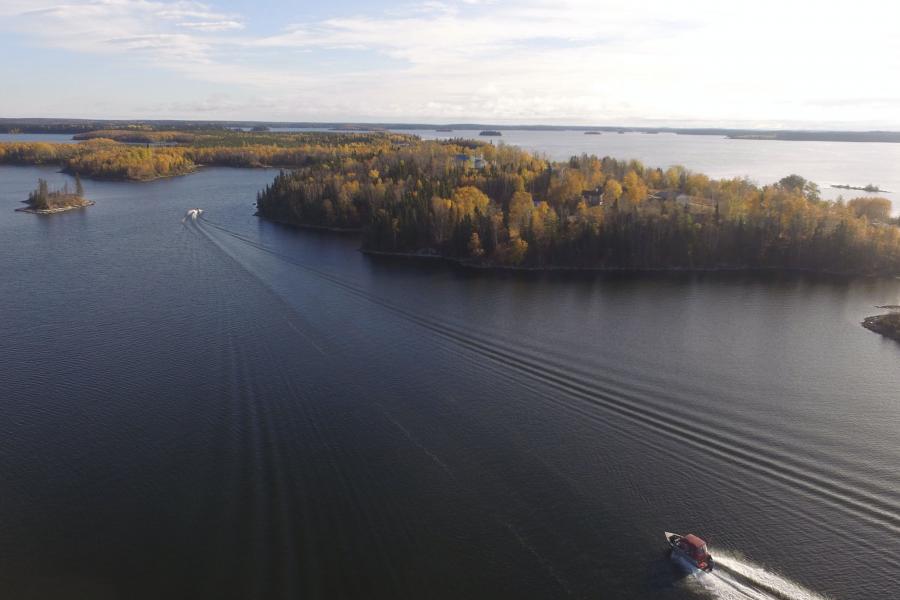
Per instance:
{"type": "Point", "coordinates": [871, 188]}
{"type": "Point", "coordinates": [887, 325]}
{"type": "Point", "coordinates": [44, 201]}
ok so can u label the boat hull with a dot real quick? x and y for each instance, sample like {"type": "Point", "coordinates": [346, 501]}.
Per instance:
{"type": "Point", "coordinates": [672, 539]}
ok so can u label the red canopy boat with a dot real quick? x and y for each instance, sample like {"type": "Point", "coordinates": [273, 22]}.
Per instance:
{"type": "Point", "coordinates": [692, 549]}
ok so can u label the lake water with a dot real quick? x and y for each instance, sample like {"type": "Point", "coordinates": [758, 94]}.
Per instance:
{"type": "Point", "coordinates": [229, 408]}
{"type": "Point", "coordinates": [56, 138]}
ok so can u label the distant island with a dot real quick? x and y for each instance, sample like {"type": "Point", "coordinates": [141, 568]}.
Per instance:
{"type": "Point", "coordinates": [872, 189]}
{"type": "Point", "coordinates": [444, 130]}
{"type": "Point", "coordinates": [75, 126]}
{"type": "Point", "coordinates": [887, 325]}
{"type": "Point", "coordinates": [491, 132]}
{"type": "Point", "coordinates": [488, 206]}
{"type": "Point", "coordinates": [593, 133]}
{"type": "Point", "coordinates": [44, 201]}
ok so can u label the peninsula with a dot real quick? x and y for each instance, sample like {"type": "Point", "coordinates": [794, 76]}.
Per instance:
{"type": "Point", "coordinates": [44, 201]}
{"type": "Point", "coordinates": [501, 207]}
{"type": "Point", "coordinates": [887, 325]}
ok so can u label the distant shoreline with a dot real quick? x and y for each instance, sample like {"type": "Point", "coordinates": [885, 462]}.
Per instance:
{"type": "Point", "coordinates": [871, 189]}
{"type": "Point", "coordinates": [129, 179]}
{"type": "Point", "coordinates": [77, 126]}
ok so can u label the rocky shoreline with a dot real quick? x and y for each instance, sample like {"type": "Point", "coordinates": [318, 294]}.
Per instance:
{"type": "Point", "coordinates": [887, 324]}
{"type": "Point", "coordinates": [55, 210]}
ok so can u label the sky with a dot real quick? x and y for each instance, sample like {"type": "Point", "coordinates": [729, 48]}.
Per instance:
{"type": "Point", "coordinates": [760, 64]}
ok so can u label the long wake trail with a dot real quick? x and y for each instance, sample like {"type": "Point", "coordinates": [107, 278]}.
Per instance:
{"type": "Point", "coordinates": [845, 498]}
{"type": "Point", "coordinates": [869, 507]}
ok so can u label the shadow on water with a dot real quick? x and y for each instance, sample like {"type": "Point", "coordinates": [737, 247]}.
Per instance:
{"type": "Point", "coordinates": [664, 574]}
{"type": "Point", "coordinates": [768, 277]}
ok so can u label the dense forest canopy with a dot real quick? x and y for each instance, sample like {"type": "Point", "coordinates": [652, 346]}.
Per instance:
{"type": "Point", "coordinates": [142, 154]}
{"type": "Point", "coordinates": [499, 205]}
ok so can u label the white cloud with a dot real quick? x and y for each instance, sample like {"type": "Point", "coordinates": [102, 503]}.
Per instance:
{"type": "Point", "coordinates": [532, 60]}
{"type": "Point", "coordinates": [212, 25]}
{"type": "Point", "coordinates": [116, 25]}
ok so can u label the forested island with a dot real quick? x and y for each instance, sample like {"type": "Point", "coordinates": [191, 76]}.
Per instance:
{"type": "Point", "coordinates": [44, 201]}
{"type": "Point", "coordinates": [141, 154]}
{"type": "Point", "coordinates": [499, 206]}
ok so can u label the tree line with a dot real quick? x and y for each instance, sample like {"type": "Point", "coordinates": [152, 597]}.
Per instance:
{"type": "Point", "coordinates": [144, 155]}
{"type": "Point", "coordinates": [522, 210]}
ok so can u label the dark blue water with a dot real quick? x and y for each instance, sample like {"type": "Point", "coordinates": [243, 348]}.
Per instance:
{"type": "Point", "coordinates": [230, 408]}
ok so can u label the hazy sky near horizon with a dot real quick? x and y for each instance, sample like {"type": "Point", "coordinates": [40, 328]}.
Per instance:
{"type": "Point", "coordinates": [768, 63]}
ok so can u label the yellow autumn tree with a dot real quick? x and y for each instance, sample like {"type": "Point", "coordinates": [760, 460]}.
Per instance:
{"type": "Point", "coordinates": [520, 207]}
{"type": "Point", "coordinates": [634, 188]}
{"type": "Point", "coordinates": [612, 191]}
{"type": "Point", "coordinates": [469, 199]}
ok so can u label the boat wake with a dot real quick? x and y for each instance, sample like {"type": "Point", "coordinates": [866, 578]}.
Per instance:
{"type": "Point", "coordinates": [773, 583]}
{"type": "Point", "coordinates": [739, 579]}
{"type": "Point", "coordinates": [592, 397]}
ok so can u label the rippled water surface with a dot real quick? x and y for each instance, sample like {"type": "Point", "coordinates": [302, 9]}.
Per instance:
{"type": "Point", "coordinates": [228, 408]}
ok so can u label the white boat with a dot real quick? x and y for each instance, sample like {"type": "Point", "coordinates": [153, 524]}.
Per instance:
{"type": "Point", "coordinates": [692, 549]}
{"type": "Point", "coordinates": [192, 213]}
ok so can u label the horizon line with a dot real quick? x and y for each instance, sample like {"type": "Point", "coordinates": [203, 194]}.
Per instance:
{"type": "Point", "coordinates": [435, 124]}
